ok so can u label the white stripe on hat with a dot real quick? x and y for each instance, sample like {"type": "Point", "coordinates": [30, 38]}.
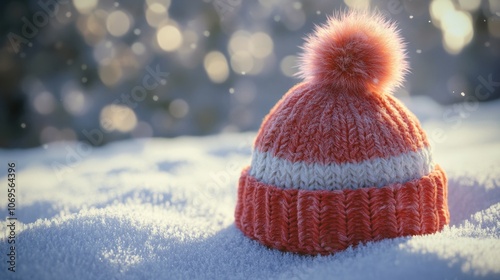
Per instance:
{"type": "Point", "coordinates": [378, 172]}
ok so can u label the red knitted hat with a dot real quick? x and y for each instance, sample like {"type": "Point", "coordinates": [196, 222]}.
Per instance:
{"type": "Point", "coordinates": [339, 161]}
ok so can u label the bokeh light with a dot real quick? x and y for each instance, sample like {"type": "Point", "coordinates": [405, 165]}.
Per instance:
{"type": "Point", "coordinates": [74, 102]}
{"type": "Point", "coordinates": [249, 52]}
{"type": "Point", "coordinates": [158, 6]}
{"type": "Point", "coordinates": [169, 38]}
{"type": "Point", "coordinates": [104, 52]}
{"type": "Point", "coordinates": [138, 48]}
{"type": "Point", "coordinates": [455, 25]}
{"type": "Point", "coordinates": [91, 27]}
{"type": "Point", "coordinates": [110, 74]}
{"type": "Point", "coordinates": [242, 62]}
{"type": "Point", "coordinates": [178, 108]}
{"type": "Point", "coordinates": [469, 5]}
{"type": "Point", "coordinates": [288, 65]}
{"type": "Point", "coordinates": [142, 130]}
{"type": "Point", "coordinates": [52, 134]}
{"type": "Point", "coordinates": [156, 12]}
{"type": "Point", "coordinates": [494, 27]}
{"type": "Point", "coordinates": [85, 6]}
{"type": "Point", "coordinates": [118, 23]}
{"type": "Point", "coordinates": [225, 68]}
{"type": "Point", "coordinates": [44, 103]}
{"type": "Point", "coordinates": [261, 45]}
{"type": "Point", "coordinates": [358, 4]}
{"type": "Point", "coordinates": [118, 117]}
{"type": "Point", "coordinates": [215, 64]}
{"type": "Point", "coordinates": [239, 41]}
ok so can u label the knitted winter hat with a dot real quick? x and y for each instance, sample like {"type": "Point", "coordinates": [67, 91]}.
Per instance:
{"type": "Point", "coordinates": [339, 161]}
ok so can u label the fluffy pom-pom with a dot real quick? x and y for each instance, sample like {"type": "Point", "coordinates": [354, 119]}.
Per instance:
{"type": "Point", "coordinates": [356, 52]}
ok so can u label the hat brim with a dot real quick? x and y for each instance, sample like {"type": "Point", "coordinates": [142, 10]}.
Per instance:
{"type": "Point", "coordinates": [324, 222]}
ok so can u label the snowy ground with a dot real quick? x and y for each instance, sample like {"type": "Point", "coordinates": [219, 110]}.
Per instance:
{"type": "Point", "coordinates": [163, 208]}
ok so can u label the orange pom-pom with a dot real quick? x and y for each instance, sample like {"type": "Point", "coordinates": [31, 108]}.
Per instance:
{"type": "Point", "coordinates": [356, 52]}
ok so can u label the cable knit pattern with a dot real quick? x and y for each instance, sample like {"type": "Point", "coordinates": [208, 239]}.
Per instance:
{"type": "Point", "coordinates": [325, 222]}
{"type": "Point", "coordinates": [310, 125]}
{"type": "Point", "coordinates": [338, 161]}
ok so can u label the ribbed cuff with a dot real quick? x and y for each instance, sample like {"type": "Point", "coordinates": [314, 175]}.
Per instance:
{"type": "Point", "coordinates": [324, 222]}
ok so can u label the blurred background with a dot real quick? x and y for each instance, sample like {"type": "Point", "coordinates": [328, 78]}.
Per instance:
{"type": "Point", "coordinates": [101, 71]}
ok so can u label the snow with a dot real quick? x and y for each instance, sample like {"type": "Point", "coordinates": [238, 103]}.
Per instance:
{"type": "Point", "coordinates": [163, 208]}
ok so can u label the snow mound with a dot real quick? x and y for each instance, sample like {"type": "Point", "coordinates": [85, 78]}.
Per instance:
{"type": "Point", "coordinates": [163, 209]}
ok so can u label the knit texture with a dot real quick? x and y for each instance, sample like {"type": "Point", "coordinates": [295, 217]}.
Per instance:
{"type": "Point", "coordinates": [336, 164]}
{"type": "Point", "coordinates": [325, 222]}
